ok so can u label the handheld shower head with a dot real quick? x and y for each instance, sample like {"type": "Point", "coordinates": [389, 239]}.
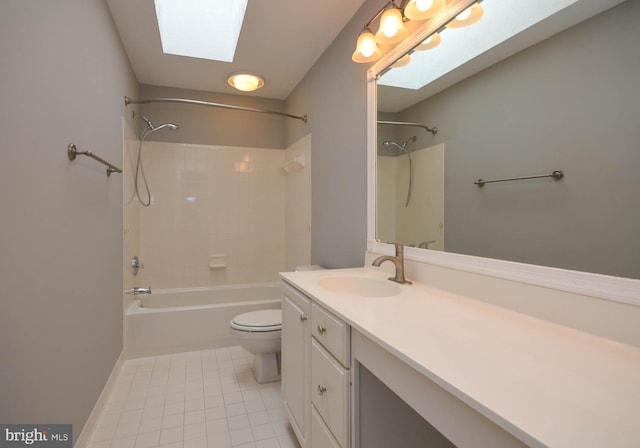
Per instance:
{"type": "Point", "coordinates": [389, 144]}
{"type": "Point", "coordinates": [173, 127]}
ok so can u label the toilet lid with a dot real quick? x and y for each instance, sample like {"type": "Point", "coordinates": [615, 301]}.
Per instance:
{"type": "Point", "coordinates": [263, 320]}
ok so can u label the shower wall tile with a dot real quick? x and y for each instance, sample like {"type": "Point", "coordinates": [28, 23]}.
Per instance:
{"type": "Point", "coordinates": [131, 210]}
{"type": "Point", "coordinates": [212, 200]}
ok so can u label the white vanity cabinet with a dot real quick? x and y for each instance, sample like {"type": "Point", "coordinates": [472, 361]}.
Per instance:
{"type": "Point", "coordinates": [316, 377]}
{"type": "Point", "coordinates": [296, 361]}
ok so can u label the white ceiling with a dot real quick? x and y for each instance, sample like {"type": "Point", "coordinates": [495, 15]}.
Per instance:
{"type": "Point", "coordinates": [280, 41]}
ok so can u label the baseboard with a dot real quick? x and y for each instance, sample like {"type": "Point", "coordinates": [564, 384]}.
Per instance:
{"type": "Point", "coordinates": [84, 438]}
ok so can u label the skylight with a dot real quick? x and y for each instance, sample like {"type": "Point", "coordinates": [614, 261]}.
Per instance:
{"type": "Point", "coordinates": [501, 21]}
{"type": "Point", "coordinates": [206, 29]}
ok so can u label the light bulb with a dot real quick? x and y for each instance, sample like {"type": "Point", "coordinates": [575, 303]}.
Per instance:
{"type": "Point", "coordinates": [423, 9]}
{"type": "Point", "coordinates": [423, 5]}
{"type": "Point", "coordinates": [464, 14]}
{"type": "Point", "coordinates": [467, 17]}
{"type": "Point", "coordinates": [366, 48]}
{"type": "Point", "coordinates": [245, 82]}
{"type": "Point", "coordinates": [430, 42]}
{"type": "Point", "coordinates": [367, 45]}
{"type": "Point", "coordinates": [392, 28]}
{"type": "Point", "coordinates": [391, 22]}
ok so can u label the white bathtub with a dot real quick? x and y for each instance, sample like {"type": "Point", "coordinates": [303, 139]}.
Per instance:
{"type": "Point", "coordinates": [175, 320]}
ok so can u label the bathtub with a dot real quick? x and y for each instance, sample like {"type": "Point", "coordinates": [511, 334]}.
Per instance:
{"type": "Point", "coordinates": [176, 320]}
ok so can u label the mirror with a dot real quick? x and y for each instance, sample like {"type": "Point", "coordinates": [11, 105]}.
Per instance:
{"type": "Point", "coordinates": [562, 95]}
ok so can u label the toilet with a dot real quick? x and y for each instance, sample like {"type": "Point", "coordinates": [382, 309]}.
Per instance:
{"type": "Point", "coordinates": [259, 333]}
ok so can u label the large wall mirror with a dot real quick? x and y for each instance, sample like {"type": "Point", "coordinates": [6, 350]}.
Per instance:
{"type": "Point", "coordinates": [556, 94]}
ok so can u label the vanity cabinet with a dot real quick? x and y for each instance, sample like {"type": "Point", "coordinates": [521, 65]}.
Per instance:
{"type": "Point", "coordinates": [296, 361]}
{"type": "Point", "coordinates": [316, 377]}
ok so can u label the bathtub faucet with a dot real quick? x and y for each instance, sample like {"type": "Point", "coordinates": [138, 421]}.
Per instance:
{"type": "Point", "coordinates": [138, 290]}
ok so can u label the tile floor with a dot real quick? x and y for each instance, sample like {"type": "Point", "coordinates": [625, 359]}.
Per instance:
{"type": "Point", "coordinates": [203, 399]}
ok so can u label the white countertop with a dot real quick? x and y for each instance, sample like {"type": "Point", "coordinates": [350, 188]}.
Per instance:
{"type": "Point", "coordinates": [544, 383]}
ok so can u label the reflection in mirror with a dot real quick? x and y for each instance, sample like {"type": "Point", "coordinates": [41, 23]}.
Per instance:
{"type": "Point", "coordinates": [569, 102]}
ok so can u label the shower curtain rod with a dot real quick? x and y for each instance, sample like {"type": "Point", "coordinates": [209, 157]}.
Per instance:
{"type": "Point", "coordinates": [433, 130]}
{"type": "Point", "coordinates": [128, 101]}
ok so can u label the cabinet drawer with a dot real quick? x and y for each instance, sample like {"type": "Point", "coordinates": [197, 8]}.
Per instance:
{"type": "Point", "coordinates": [331, 332]}
{"type": "Point", "coordinates": [330, 392]}
{"type": "Point", "coordinates": [321, 437]}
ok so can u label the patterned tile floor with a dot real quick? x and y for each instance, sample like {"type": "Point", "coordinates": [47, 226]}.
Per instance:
{"type": "Point", "coordinates": [203, 399]}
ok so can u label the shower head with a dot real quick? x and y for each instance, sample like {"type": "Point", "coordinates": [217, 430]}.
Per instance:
{"type": "Point", "coordinates": [151, 128]}
{"type": "Point", "coordinates": [389, 144]}
{"type": "Point", "coordinates": [402, 147]}
{"type": "Point", "coordinates": [173, 127]}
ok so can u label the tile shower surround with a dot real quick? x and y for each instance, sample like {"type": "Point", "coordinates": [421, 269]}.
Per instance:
{"type": "Point", "coordinates": [210, 200]}
{"type": "Point", "coordinates": [203, 399]}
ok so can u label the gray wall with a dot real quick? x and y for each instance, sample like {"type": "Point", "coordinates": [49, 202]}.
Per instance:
{"type": "Point", "coordinates": [387, 421]}
{"type": "Point", "coordinates": [334, 95]}
{"type": "Point", "coordinates": [64, 75]}
{"type": "Point", "coordinates": [570, 103]}
{"type": "Point", "coordinates": [213, 126]}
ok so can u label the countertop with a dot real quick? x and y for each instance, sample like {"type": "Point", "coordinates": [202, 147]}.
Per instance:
{"type": "Point", "coordinates": [549, 385]}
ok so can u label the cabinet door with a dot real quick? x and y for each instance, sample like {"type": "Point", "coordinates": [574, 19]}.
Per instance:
{"type": "Point", "coordinates": [320, 435]}
{"type": "Point", "coordinates": [295, 362]}
{"type": "Point", "coordinates": [330, 392]}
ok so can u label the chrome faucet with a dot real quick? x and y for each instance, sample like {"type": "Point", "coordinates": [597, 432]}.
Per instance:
{"type": "Point", "coordinates": [398, 262]}
{"type": "Point", "coordinates": [138, 290]}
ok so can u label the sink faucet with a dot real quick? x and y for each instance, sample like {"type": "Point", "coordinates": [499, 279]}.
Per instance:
{"type": "Point", "coordinates": [425, 244]}
{"type": "Point", "coordinates": [138, 290]}
{"type": "Point", "coordinates": [398, 262]}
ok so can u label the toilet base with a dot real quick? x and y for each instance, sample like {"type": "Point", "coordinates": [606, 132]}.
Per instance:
{"type": "Point", "coordinates": [266, 367]}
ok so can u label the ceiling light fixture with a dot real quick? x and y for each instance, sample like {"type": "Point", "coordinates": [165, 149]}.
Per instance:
{"type": "Point", "coordinates": [245, 82]}
{"type": "Point", "coordinates": [392, 31]}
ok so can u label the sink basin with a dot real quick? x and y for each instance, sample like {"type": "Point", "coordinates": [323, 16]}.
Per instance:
{"type": "Point", "coordinates": [360, 286]}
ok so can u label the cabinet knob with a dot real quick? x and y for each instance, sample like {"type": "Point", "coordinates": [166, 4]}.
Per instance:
{"type": "Point", "coordinates": [303, 317]}
{"type": "Point", "coordinates": [321, 389]}
{"type": "Point", "coordinates": [321, 330]}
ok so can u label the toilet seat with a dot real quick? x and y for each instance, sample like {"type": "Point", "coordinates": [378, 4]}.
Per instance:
{"type": "Point", "coordinates": [258, 321]}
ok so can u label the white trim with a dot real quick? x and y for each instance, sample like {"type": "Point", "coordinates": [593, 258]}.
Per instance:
{"type": "Point", "coordinates": [616, 289]}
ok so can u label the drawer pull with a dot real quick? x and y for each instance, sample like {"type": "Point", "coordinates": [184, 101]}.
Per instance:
{"type": "Point", "coordinates": [303, 317]}
{"type": "Point", "coordinates": [321, 389]}
{"type": "Point", "coordinates": [321, 330]}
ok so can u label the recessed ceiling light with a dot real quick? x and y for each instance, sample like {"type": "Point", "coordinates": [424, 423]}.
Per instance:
{"type": "Point", "coordinates": [206, 29]}
{"type": "Point", "coordinates": [245, 81]}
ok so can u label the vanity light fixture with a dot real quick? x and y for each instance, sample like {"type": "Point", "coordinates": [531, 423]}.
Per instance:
{"type": "Point", "coordinates": [366, 48]}
{"type": "Point", "coordinates": [245, 82]}
{"type": "Point", "coordinates": [467, 17]}
{"type": "Point", "coordinates": [404, 60]}
{"type": "Point", "coordinates": [392, 31]}
{"type": "Point", "coordinates": [423, 9]}
{"type": "Point", "coordinates": [430, 42]}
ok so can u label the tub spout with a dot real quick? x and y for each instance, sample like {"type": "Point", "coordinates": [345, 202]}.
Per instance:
{"type": "Point", "coordinates": [138, 290]}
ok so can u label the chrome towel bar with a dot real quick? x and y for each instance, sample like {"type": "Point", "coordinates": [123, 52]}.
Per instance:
{"type": "Point", "coordinates": [72, 152]}
{"type": "Point", "coordinates": [555, 175]}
